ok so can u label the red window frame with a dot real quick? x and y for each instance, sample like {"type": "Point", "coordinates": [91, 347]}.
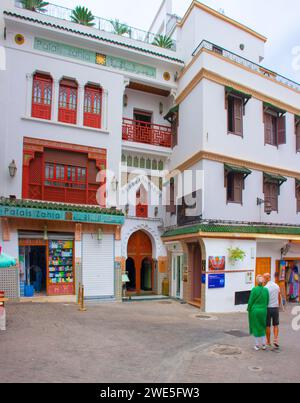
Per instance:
{"type": "Point", "coordinates": [66, 176]}
{"type": "Point", "coordinates": [68, 100]}
{"type": "Point", "coordinates": [141, 204]}
{"type": "Point", "coordinates": [42, 90]}
{"type": "Point", "coordinates": [93, 106]}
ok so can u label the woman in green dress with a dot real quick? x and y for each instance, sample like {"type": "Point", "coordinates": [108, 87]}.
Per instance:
{"type": "Point", "coordinates": [258, 309]}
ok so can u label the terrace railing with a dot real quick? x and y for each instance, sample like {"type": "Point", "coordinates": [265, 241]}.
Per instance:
{"type": "Point", "coordinates": [102, 24]}
{"type": "Point", "coordinates": [247, 63]}
{"type": "Point", "coordinates": [147, 133]}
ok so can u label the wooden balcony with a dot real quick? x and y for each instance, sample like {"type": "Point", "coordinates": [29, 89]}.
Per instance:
{"type": "Point", "coordinates": [147, 133]}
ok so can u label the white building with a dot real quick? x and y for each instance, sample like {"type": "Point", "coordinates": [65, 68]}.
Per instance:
{"type": "Point", "coordinates": [77, 101]}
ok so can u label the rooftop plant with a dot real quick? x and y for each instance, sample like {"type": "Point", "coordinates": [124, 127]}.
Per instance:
{"type": "Point", "coordinates": [120, 28]}
{"type": "Point", "coordinates": [82, 15]}
{"type": "Point", "coordinates": [163, 41]}
{"type": "Point", "coordinates": [35, 5]}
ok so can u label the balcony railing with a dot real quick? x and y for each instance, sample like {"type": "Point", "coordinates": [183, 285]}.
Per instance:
{"type": "Point", "coordinates": [147, 133]}
{"type": "Point", "coordinates": [247, 63]}
{"type": "Point", "coordinates": [102, 24]}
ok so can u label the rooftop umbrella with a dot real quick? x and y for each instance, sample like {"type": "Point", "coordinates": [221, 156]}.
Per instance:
{"type": "Point", "coordinates": [5, 260]}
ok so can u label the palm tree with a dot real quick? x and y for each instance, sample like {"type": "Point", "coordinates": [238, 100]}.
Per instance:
{"type": "Point", "coordinates": [163, 41]}
{"type": "Point", "coordinates": [82, 15]}
{"type": "Point", "coordinates": [119, 28]}
{"type": "Point", "coordinates": [35, 5]}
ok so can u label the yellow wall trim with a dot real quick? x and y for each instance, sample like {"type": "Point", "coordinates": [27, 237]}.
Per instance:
{"type": "Point", "coordinates": [217, 78]}
{"type": "Point", "coordinates": [224, 159]}
{"type": "Point", "coordinates": [204, 50]}
{"type": "Point", "coordinates": [197, 4]}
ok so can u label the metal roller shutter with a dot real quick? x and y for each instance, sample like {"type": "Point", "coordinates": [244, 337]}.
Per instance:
{"type": "Point", "coordinates": [98, 266]}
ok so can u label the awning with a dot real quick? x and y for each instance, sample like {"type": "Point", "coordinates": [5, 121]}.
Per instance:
{"type": "Point", "coordinates": [246, 97]}
{"type": "Point", "coordinates": [171, 113]}
{"type": "Point", "coordinates": [6, 261]}
{"type": "Point", "coordinates": [274, 178]}
{"type": "Point", "coordinates": [274, 108]}
{"type": "Point", "coordinates": [239, 170]}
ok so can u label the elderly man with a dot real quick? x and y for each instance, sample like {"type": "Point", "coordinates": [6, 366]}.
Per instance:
{"type": "Point", "coordinates": [273, 310]}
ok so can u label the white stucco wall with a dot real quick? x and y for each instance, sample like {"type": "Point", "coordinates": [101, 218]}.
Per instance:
{"type": "Point", "coordinates": [201, 25]}
{"type": "Point", "coordinates": [223, 300]}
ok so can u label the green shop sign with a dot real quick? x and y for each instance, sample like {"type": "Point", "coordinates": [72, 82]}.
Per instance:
{"type": "Point", "coordinates": [57, 215]}
{"type": "Point", "coordinates": [84, 55]}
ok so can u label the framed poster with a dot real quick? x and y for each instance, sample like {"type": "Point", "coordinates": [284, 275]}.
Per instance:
{"type": "Point", "coordinates": [216, 263]}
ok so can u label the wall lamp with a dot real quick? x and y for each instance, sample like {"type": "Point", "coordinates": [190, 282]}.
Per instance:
{"type": "Point", "coordinates": [268, 206]}
{"type": "Point", "coordinates": [114, 184]}
{"type": "Point", "coordinates": [12, 168]}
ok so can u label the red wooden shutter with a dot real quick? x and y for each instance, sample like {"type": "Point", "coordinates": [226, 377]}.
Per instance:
{"type": "Point", "coordinates": [281, 130]}
{"type": "Point", "coordinates": [68, 94]}
{"type": "Point", "coordinates": [268, 128]}
{"type": "Point", "coordinates": [92, 107]}
{"type": "Point", "coordinates": [35, 178]}
{"type": "Point", "coordinates": [41, 97]}
{"type": "Point", "coordinates": [238, 116]}
{"type": "Point", "coordinates": [141, 204]}
{"type": "Point", "coordinates": [298, 137]}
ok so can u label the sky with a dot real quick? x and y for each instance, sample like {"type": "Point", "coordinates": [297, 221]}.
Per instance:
{"type": "Point", "coordinates": [279, 21]}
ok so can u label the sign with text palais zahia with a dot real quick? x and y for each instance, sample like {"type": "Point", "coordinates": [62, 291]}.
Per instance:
{"type": "Point", "coordinates": [88, 56]}
{"type": "Point", "coordinates": [58, 215]}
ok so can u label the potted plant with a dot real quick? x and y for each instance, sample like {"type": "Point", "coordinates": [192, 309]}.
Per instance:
{"type": "Point", "coordinates": [236, 255]}
{"type": "Point", "coordinates": [163, 41]}
{"type": "Point", "coordinates": [35, 5]}
{"type": "Point", "coordinates": [83, 16]}
{"type": "Point", "coordinates": [120, 28]}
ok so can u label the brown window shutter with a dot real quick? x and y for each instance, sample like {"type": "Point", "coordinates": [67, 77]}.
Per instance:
{"type": "Point", "coordinates": [268, 128]}
{"type": "Point", "coordinates": [297, 194]}
{"type": "Point", "coordinates": [271, 191]}
{"type": "Point", "coordinates": [171, 205]}
{"type": "Point", "coordinates": [281, 130]}
{"type": "Point", "coordinates": [174, 127]}
{"type": "Point", "coordinates": [298, 137]}
{"type": "Point", "coordinates": [238, 116]}
{"type": "Point", "coordinates": [238, 188]}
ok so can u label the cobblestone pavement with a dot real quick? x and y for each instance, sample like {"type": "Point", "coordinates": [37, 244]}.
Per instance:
{"type": "Point", "coordinates": [138, 342]}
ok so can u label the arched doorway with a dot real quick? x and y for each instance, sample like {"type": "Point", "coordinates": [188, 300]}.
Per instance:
{"type": "Point", "coordinates": [139, 253]}
{"type": "Point", "coordinates": [146, 275]}
{"type": "Point", "coordinates": [130, 269]}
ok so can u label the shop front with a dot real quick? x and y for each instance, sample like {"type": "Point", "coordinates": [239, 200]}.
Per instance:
{"type": "Point", "coordinates": [59, 246]}
{"type": "Point", "coordinates": [219, 263]}
{"type": "Point", "coordinates": [47, 267]}
{"type": "Point", "coordinates": [287, 277]}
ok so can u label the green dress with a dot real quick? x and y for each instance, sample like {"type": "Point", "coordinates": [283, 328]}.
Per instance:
{"type": "Point", "coordinates": [258, 309]}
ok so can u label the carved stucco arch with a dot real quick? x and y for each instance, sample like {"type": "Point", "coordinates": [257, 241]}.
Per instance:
{"type": "Point", "coordinates": [157, 244]}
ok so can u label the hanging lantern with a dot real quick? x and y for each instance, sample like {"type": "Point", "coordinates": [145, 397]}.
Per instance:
{"type": "Point", "coordinates": [12, 168]}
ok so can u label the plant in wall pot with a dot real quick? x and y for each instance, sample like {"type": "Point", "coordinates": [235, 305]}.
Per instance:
{"type": "Point", "coordinates": [236, 255]}
{"type": "Point", "coordinates": [35, 5]}
{"type": "Point", "coordinates": [82, 15]}
{"type": "Point", "coordinates": [163, 41]}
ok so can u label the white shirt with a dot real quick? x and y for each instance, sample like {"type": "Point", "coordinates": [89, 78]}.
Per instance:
{"type": "Point", "coordinates": [274, 292]}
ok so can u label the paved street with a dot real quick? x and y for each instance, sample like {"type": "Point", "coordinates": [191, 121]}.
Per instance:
{"type": "Point", "coordinates": [138, 342]}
